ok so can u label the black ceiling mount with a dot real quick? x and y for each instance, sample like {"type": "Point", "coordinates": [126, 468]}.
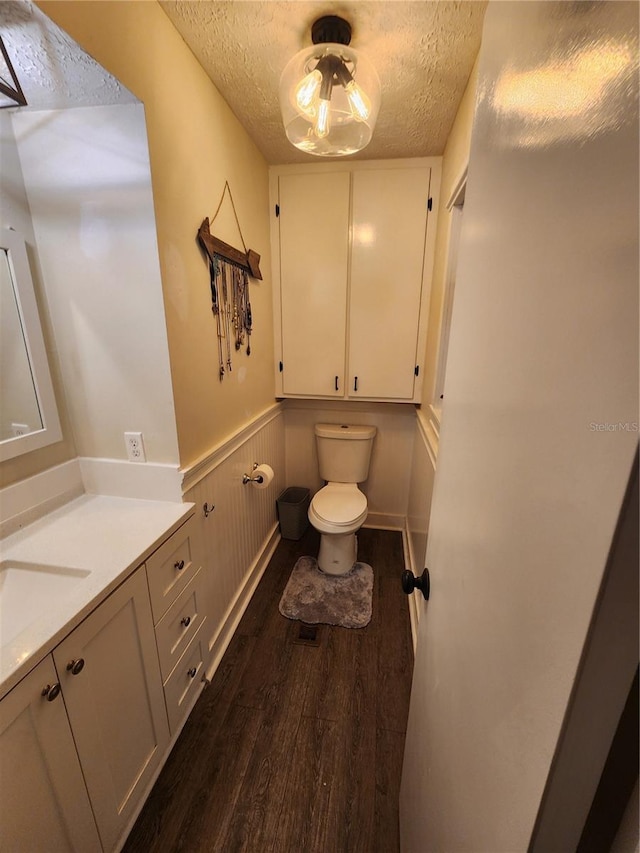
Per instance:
{"type": "Point", "coordinates": [331, 29]}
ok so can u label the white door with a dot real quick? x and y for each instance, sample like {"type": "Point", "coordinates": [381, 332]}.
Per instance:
{"type": "Point", "coordinates": [314, 248]}
{"type": "Point", "coordinates": [539, 423]}
{"type": "Point", "coordinates": [115, 703]}
{"type": "Point", "coordinates": [387, 256]}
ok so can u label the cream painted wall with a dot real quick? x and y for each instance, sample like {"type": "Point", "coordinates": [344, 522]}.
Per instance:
{"type": "Point", "coordinates": [387, 487]}
{"type": "Point", "coordinates": [15, 212]}
{"type": "Point", "coordinates": [86, 174]}
{"type": "Point", "coordinates": [454, 160]}
{"type": "Point", "coordinates": [195, 144]}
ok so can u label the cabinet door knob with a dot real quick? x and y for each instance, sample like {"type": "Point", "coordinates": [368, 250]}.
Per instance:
{"type": "Point", "coordinates": [337, 384]}
{"type": "Point", "coordinates": [355, 384]}
{"type": "Point", "coordinates": [51, 692]}
{"type": "Point", "coordinates": [179, 565]}
{"type": "Point", "coordinates": [192, 672]}
{"type": "Point", "coordinates": [186, 621]}
{"type": "Point", "coordinates": [75, 666]}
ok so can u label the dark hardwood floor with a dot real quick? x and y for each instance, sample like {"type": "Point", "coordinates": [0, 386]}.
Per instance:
{"type": "Point", "coordinates": [294, 747]}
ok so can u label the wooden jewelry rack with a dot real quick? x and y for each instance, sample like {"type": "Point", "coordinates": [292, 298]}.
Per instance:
{"type": "Point", "coordinates": [229, 271]}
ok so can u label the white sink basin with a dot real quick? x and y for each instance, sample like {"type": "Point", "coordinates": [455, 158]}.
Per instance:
{"type": "Point", "coordinates": [29, 591]}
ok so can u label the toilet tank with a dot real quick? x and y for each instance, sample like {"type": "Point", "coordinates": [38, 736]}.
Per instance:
{"type": "Point", "coordinates": [344, 451]}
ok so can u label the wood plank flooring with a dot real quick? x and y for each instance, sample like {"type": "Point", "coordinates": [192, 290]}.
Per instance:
{"type": "Point", "coordinates": [294, 747]}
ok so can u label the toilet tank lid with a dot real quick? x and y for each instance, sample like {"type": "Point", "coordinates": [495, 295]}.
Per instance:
{"type": "Point", "coordinates": [345, 431]}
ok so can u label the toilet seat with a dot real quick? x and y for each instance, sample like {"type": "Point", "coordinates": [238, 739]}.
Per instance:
{"type": "Point", "coordinates": [338, 507]}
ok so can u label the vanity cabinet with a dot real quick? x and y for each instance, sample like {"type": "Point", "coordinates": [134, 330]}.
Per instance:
{"type": "Point", "coordinates": [110, 678]}
{"type": "Point", "coordinates": [353, 249]}
{"type": "Point", "coordinates": [176, 587]}
{"type": "Point", "coordinates": [44, 803]}
{"type": "Point", "coordinates": [83, 734]}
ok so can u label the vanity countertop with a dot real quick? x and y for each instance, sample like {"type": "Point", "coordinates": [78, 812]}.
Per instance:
{"type": "Point", "coordinates": [92, 544]}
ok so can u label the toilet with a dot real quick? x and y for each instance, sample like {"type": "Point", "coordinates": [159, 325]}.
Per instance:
{"type": "Point", "coordinates": [339, 509]}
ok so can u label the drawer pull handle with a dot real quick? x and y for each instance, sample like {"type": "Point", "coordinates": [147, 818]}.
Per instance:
{"type": "Point", "coordinates": [186, 621]}
{"type": "Point", "coordinates": [75, 666]}
{"type": "Point", "coordinates": [192, 672]}
{"type": "Point", "coordinates": [179, 566]}
{"type": "Point", "coordinates": [51, 692]}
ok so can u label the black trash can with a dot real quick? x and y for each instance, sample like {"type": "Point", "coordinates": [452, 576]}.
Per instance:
{"type": "Point", "coordinates": [293, 505]}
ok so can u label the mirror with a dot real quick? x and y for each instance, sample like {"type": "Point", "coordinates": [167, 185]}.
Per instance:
{"type": "Point", "coordinates": [28, 415]}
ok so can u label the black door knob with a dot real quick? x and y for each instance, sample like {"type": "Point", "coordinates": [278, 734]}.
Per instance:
{"type": "Point", "coordinates": [411, 582]}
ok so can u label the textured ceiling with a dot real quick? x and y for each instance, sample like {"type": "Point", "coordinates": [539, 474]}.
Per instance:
{"type": "Point", "coordinates": [54, 72]}
{"type": "Point", "coordinates": [423, 51]}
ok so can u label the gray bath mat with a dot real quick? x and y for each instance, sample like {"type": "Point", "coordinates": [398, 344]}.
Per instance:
{"type": "Point", "coordinates": [313, 597]}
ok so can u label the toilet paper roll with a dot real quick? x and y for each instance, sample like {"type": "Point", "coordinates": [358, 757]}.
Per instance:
{"type": "Point", "coordinates": [262, 476]}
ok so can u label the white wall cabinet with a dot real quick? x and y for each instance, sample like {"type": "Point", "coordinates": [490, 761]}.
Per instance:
{"type": "Point", "coordinates": [314, 232]}
{"type": "Point", "coordinates": [44, 803]}
{"type": "Point", "coordinates": [110, 677]}
{"type": "Point", "coordinates": [353, 256]}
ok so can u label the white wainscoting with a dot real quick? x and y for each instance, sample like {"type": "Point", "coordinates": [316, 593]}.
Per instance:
{"type": "Point", "coordinates": [387, 487]}
{"type": "Point", "coordinates": [241, 533]}
{"type": "Point", "coordinates": [423, 470]}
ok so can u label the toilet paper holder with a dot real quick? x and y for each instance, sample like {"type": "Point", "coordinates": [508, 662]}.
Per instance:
{"type": "Point", "coordinates": [246, 478]}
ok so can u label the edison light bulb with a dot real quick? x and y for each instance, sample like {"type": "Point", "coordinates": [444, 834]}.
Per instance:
{"type": "Point", "coordinates": [306, 93]}
{"type": "Point", "coordinates": [323, 123]}
{"type": "Point", "coordinates": [358, 101]}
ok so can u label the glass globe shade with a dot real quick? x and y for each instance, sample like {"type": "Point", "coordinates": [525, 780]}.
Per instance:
{"type": "Point", "coordinates": [329, 128]}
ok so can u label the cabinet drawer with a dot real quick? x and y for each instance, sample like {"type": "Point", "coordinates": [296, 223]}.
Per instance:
{"type": "Point", "coordinates": [185, 681]}
{"type": "Point", "coordinates": [171, 567]}
{"type": "Point", "coordinates": [179, 624]}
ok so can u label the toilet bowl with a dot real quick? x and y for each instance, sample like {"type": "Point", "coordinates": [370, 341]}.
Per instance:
{"type": "Point", "coordinates": [339, 509]}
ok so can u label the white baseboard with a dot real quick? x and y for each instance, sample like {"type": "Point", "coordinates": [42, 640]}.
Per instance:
{"type": "Point", "coordinates": [144, 480]}
{"type": "Point", "coordinates": [28, 500]}
{"type": "Point", "coordinates": [385, 521]}
{"type": "Point", "coordinates": [220, 641]}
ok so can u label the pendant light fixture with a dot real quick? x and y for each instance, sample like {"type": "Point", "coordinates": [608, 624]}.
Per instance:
{"type": "Point", "coordinates": [329, 94]}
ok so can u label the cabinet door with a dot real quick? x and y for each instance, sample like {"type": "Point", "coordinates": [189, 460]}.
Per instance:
{"type": "Point", "coordinates": [389, 224]}
{"type": "Point", "coordinates": [314, 238]}
{"type": "Point", "coordinates": [43, 802]}
{"type": "Point", "coordinates": [115, 703]}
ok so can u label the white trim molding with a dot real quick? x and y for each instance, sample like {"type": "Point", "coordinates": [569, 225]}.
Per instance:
{"type": "Point", "coordinates": [458, 188]}
{"type": "Point", "coordinates": [428, 429]}
{"type": "Point", "coordinates": [193, 474]}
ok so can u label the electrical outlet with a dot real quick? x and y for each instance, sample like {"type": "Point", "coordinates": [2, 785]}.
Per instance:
{"type": "Point", "coordinates": [20, 429]}
{"type": "Point", "coordinates": [135, 447]}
